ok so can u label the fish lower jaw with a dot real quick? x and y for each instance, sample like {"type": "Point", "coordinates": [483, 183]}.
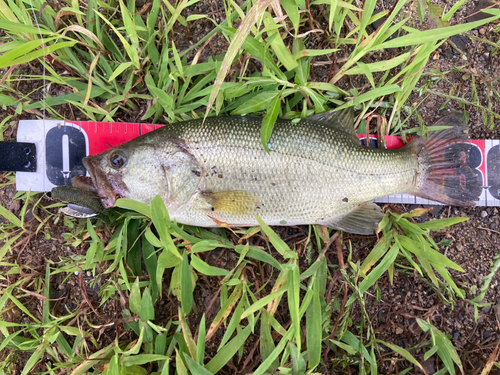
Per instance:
{"type": "Point", "coordinates": [108, 202]}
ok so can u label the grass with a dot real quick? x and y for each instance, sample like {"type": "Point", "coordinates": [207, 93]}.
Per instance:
{"type": "Point", "coordinates": [109, 61]}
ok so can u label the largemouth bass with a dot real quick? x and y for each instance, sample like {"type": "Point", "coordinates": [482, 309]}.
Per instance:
{"type": "Point", "coordinates": [316, 172]}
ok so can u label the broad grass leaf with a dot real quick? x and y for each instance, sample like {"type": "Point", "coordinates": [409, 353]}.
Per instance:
{"type": "Point", "coordinates": [438, 224]}
{"type": "Point", "coordinates": [313, 53]}
{"type": "Point", "coordinates": [282, 52]}
{"type": "Point", "coordinates": [365, 69]}
{"type": "Point", "coordinates": [357, 345]}
{"type": "Point", "coordinates": [377, 252]}
{"type": "Point", "coordinates": [380, 66]}
{"type": "Point", "coordinates": [161, 343]}
{"type": "Point", "coordinates": [142, 359]}
{"type": "Point", "coordinates": [20, 28]}
{"type": "Point", "coordinates": [292, 11]}
{"type": "Point", "coordinates": [175, 281]}
{"type": "Point", "coordinates": [20, 50]}
{"type": "Point", "coordinates": [425, 250]}
{"type": "Point", "coordinates": [225, 311]}
{"type": "Point", "coordinates": [206, 245]}
{"type": "Point", "coordinates": [447, 278]}
{"type": "Point", "coordinates": [375, 274]}
{"type": "Point", "coordinates": [179, 364]}
{"type": "Point", "coordinates": [239, 38]}
{"type": "Point", "coordinates": [206, 269]}
{"type": "Point", "coordinates": [266, 339]}
{"type": "Point", "coordinates": [254, 48]}
{"type": "Point", "coordinates": [134, 206]}
{"type": "Point", "coordinates": [10, 217]}
{"type": "Point", "coordinates": [7, 245]}
{"type": "Point", "coordinates": [268, 362]}
{"type": "Point", "coordinates": [92, 359]}
{"type": "Point", "coordinates": [368, 8]}
{"type": "Point", "coordinates": [314, 332]}
{"type": "Point", "coordinates": [263, 302]}
{"type": "Point", "coordinates": [374, 94]}
{"type": "Point", "coordinates": [161, 221]}
{"type": "Point", "coordinates": [445, 349]}
{"type": "Point", "coordinates": [277, 242]}
{"type": "Point", "coordinates": [228, 351]}
{"type": "Point", "coordinates": [434, 35]}
{"type": "Point", "coordinates": [119, 70]}
{"type": "Point", "coordinates": [194, 367]}
{"type": "Point", "coordinates": [403, 353]}
{"type": "Point", "coordinates": [293, 290]}
{"type": "Point", "coordinates": [186, 332]}
{"type": "Point", "coordinates": [453, 10]}
{"type": "Point", "coordinates": [435, 15]}
{"type": "Point", "coordinates": [269, 120]}
{"type": "Point", "coordinates": [421, 4]}
{"type": "Point", "coordinates": [312, 269]}
{"type": "Point", "coordinates": [147, 309]}
{"type": "Point", "coordinates": [35, 357]}
{"type": "Point", "coordinates": [259, 102]}
{"type": "Point", "coordinates": [258, 254]}
{"type": "Point", "coordinates": [200, 345]}
{"type": "Point", "coordinates": [151, 262]}
{"type": "Point", "coordinates": [134, 302]}
{"type": "Point", "coordinates": [186, 283]}
{"type": "Point", "coordinates": [152, 239]}
{"type": "Point", "coordinates": [235, 321]}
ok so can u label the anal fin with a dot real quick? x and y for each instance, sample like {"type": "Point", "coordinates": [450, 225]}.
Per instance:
{"type": "Point", "coordinates": [364, 219]}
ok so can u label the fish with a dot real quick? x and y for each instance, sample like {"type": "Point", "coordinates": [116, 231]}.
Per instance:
{"type": "Point", "coordinates": [315, 171]}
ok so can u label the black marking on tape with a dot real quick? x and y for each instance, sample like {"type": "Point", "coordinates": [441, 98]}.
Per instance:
{"type": "Point", "coordinates": [17, 157]}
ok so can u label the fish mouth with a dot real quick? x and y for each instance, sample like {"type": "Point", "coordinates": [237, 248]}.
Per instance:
{"type": "Point", "coordinates": [96, 183]}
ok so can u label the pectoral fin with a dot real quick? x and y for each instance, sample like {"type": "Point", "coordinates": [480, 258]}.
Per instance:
{"type": "Point", "coordinates": [364, 219]}
{"type": "Point", "coordinates": [231, 202]}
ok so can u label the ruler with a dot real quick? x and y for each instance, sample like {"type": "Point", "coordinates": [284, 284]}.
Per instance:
{"type": "Point", "coordinates": [61, 146]}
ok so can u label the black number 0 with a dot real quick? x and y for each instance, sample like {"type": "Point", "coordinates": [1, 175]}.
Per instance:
{"type": "Point", "coordinates": [65, 147]}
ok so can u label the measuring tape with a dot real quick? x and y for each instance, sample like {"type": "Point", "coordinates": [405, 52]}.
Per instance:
{"type": "Point", "coordinates": [61, 146]}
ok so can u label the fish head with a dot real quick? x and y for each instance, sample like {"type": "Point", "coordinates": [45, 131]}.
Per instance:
{"type": "Point", "coordinates": [126, 171]}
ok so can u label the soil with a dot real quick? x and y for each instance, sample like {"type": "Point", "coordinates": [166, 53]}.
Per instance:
{"type": "Point", "coordinates": [473, 244]}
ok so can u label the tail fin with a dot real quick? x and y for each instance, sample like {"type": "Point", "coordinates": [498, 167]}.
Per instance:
{"type": "Point", "coordinates": [444, 175]}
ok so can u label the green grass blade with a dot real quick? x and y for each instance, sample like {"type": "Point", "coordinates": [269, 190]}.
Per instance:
{"type": "Point", "coordinates": [314, 330]}
{"type": "Point", "coordinates": [434, 35]}
{"type": "Point", "coordinates": [293, 301]}
{"type": "Point", "coordinates": [10, 217]}
{"type": "Point", "coordinates": [239, 38]}
{"type": "Point", "coordinates": [186, 285]}
{"type": "Point", "coordinates": [228, 351]}
{"type": "Point", "coordinates": [277, 242]}
{"type": "Point", "coordinates": [206, 269]}
{"type": "Point", "coordinates": [200, 345]}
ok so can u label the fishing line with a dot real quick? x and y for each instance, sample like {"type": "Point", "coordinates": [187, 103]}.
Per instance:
{"type": "Point", "coordinates": [43, 76]}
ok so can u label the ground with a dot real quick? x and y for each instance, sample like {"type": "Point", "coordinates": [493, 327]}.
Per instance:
{"type": "Point", "coordinates": [473, 245]}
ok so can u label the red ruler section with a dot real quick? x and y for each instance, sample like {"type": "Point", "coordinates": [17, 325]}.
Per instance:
{"type": "Point", "coordinates": [103, 135]}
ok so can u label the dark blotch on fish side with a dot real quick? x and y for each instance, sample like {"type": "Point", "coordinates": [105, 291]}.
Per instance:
{"type": "Point", "coordinates": [345, 200]}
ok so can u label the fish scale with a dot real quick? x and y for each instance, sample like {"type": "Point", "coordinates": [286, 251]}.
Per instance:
{"type": "Point", "coordinates": [315, 173]}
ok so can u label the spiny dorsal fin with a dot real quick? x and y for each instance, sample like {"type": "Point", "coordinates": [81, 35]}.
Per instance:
{"type": "Point", "coordinates": [342, 121]}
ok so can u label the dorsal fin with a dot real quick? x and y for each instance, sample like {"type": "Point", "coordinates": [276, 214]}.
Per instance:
{"type": "Point", "coordinates": [341, 121]}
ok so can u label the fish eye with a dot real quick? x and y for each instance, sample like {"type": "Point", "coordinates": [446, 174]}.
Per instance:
{"type": "Point", "coordinates": [118, 159]}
